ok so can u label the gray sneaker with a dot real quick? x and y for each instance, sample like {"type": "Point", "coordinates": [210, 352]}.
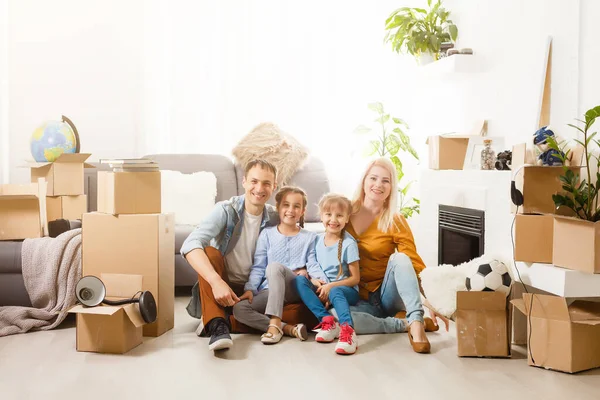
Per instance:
{"type": "Point", "coordinates": [220, 339]}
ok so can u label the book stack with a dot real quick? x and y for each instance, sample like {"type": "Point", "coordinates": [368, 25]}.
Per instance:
{"type": "Point", "coordinates": [131, 164]}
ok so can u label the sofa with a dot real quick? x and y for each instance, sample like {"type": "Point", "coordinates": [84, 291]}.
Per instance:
{"type": "Point", "coordinates": [312, 178]}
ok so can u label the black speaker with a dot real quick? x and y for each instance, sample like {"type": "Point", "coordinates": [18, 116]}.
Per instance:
{"type": "Point", "coordinates": [90, 291]}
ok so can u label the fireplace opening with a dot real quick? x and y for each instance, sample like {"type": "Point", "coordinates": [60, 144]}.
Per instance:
{"type": "Point", "coordinates": [461, 234]}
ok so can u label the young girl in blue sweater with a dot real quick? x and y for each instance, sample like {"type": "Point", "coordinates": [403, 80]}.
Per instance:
{"type": "Point", "coordinates": [283, 252]}
{"type": "Point", "coordinates": [337, 255]}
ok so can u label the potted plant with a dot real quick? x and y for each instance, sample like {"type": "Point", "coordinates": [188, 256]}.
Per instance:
{"type": "Point", "coordinates": [420, 32]}
{"type": "Point", "coordinates": [576, 243]}
{"type": "Point", "coordinates": [388, 143]}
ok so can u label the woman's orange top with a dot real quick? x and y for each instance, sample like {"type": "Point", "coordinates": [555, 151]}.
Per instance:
{"type": "Point", "coordinates": [375, 248]}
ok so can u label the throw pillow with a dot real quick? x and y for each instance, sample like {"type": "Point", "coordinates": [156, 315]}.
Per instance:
{"type": "Point", "coordinates": [190, 196]}
{"type": "Point", "coordinates": [269, 142]}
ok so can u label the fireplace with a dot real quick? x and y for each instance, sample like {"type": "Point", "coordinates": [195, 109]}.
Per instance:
{"type": "Point", "coordinates": [461, 234]}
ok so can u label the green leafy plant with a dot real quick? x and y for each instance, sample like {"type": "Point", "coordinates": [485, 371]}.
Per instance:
{"type": "Point", "coordinates": [416, 30]}
{"type": "Point", "coordinates": [390, 142]}
{"type": "Point", "coordinates": [581, 195]}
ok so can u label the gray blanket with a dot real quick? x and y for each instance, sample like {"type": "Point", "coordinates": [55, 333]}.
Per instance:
{"type": "Point", "coordinates": [51, 269]}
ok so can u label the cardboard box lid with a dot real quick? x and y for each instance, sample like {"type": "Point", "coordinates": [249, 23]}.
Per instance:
{"type": "Point", "coordinates": [76, 158]}
{"type": "Point", "coordinates": [479, 129]}
{"type": "Point", "coordinates": [566, 218]}
{"type": "Point", "coordinates": [17, 191]}
{"type": "Point", "coordinates": [118, 286]}
{"type": "Point", "coordinates": [556, 308]}
{"type": "Point", "coordinates": [480, 301]}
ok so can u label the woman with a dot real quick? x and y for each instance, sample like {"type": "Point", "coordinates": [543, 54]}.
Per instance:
{"type": "Point", "coordinates": [389, 263]}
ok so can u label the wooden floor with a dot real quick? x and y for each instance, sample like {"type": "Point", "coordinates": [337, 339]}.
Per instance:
{"type": "Point", "coordinates": [178, 365]}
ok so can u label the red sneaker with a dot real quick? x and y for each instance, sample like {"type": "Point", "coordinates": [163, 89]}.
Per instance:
{"type": "Point", "coordinates": [329, 330]}
{"type": "Point", "coordinates": [348, 342]}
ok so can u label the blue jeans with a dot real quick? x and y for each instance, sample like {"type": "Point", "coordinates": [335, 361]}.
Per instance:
{"type": "Point", "coordinates": [341, 297]}
{"type": "Point", "coordinates": [398, 292]}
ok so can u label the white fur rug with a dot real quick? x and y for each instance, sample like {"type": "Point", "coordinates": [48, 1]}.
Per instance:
{"type": "Point", "coordinates": [441, 283]}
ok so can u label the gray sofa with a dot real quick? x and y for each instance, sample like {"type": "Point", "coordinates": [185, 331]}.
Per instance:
{"type": "Point", "coordinates": [312, 178]}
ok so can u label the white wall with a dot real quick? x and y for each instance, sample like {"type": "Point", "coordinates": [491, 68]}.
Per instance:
{"type": "Point", "coordinates": [139, 77]}
{"type": "Point", "coordinates": [80, 59]}
{"type": "Point", "coordinates": [4, 136]}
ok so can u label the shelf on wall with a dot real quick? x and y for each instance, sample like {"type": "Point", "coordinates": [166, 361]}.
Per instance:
{"type": "Point", "coordinates": [455, 64]}
{"type": "Point", "coordinates": [559, 281]}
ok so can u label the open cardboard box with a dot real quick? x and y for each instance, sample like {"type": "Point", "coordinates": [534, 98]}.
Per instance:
{"type": "Point", "coordinates": [539, 183]}
{"type": "Point", "coordinates": [448, 151]}
{"type": "Point", "coordinates": [129, 192]}
{"type": "Point", "coordinates": [576, 244]}
{"type": "Point", "coordinates": [533, 238]}
{"type": "Point", "coordinates": [66, 207]}
{"type": "Point", "coordinates": [563, 336]}
{"type": "Point", "coordinates": [23, 211]}
{"type": "Point", "coordinates": [111, 329]}
{"type": "Point", "coordinates": [483, 324]}
{"type": "Point", "coordinates": [141, 244]}
{"type": "Point", "coordinates": [64, 175]}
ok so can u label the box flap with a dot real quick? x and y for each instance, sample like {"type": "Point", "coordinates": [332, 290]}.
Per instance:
{"type": "Point", "coordinates": [122, 286]}
{"type": "Point", "coordinates": [72, 158]}
{"type": "Point", "coordinates": [98, 310]}
{"type": "Point", "coordinates": [587, 312]}
{"type": "Point", "coordinates": [133, 312]}
{"type": "Point", "coordinates": [544, 306]}
{"type": "Point", "coordinates": [480, 301]}
{"type": "Point", "coordinates": [19, 191]}
{"type": "Point", "coordinates": [86, 165]}
{"type": "Point", "coordinates": [520, 304]}
{"type": "Point", "coordinates": [576, 156]}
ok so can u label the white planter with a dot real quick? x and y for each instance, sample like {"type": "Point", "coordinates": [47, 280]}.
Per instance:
{"type": "Point", "coordinates": [425, 58]}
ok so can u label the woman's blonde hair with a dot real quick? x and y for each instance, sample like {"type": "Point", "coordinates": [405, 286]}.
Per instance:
{"type": "Point", "coordinates": [325, 204]}
{"type": "Point", "coordinates": [390, 205]}
{"type": "Point", "coordinates": [291, 189]}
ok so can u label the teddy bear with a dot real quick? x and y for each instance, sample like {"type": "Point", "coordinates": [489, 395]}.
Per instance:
{"type": "Point", "coordinates": [548, 156]}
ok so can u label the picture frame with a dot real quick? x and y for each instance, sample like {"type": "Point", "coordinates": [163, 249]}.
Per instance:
{"type": "Point", "coordinates": [473, 155]}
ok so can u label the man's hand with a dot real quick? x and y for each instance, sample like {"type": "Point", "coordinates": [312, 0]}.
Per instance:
{"type": "Point", "coordinates": [302, 272]}
{"type": "Point", "coordinates": [323, 291]}
{"type": "Point", "coordinates": [247, 295]}
{"type": "Point", "coordinates": [224, 295]}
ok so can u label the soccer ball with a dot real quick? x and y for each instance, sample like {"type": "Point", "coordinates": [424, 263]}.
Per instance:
{"type": "Point", "coordinates": [490, 277]}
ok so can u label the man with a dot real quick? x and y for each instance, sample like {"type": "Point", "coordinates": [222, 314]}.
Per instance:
{"type": "Point", "coordinates": [221, 250]}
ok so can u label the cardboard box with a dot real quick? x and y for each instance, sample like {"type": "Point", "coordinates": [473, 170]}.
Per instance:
{"type": "Point", "coordinates": [111, 329]}
{"type": "Point", "coordinates": [64, 176]}
{"type": "Point", "coordinates": [533, 238]}
{"type": "Point", "coordinates": [482, 324]}
{"type": "Point", "coordinates": [538, 184]}
{"type": "Point", "coordinates": [563, 336]}
{"type": "Point", "coordinates": [576, 244]}
{"type": "Point", "coordinates": [447, 152]}
{"type": "Point", "coordinates": [129, 192]}
{"type": "Point", "coordinates": [66, 207]}
{"type": "Point", "coordinates": [23, 211]}
{"type": "Point", "coordinates": [141, 244]}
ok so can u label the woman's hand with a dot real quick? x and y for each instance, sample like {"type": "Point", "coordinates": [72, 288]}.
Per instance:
{"type": "Point", "coordinates": [435, 315]}
{"type": "Point", "coordinates": [317, 282]}
{"type": "Point", "coordinates": [323, 291]}
{"type": "Point", "coordinates": [302, 272]}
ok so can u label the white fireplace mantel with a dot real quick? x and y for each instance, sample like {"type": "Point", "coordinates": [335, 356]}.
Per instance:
{"type": "Point", "coordinates": [490, 191]}
{"type": "Point", "coordinates": [481, 190]}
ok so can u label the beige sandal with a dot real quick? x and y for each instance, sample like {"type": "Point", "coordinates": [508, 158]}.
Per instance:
{"type": "Point", "coordinates": [300, 332]}
{"type": "Point", "coordinates": [269, 338]}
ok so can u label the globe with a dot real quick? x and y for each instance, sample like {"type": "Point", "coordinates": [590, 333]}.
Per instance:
{"type": "Point", "coordinates": [54, 138]}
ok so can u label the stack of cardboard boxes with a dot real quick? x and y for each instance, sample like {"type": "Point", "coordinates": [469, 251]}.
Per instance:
{"type": "Point", "coordinates": [130, 244]}
{"type": "Point", "coordinates": [65, 196]}
{"type": "Point", "coordinates": [561, 333]}
{"type": "Point", "coordinates": [56, 192]}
